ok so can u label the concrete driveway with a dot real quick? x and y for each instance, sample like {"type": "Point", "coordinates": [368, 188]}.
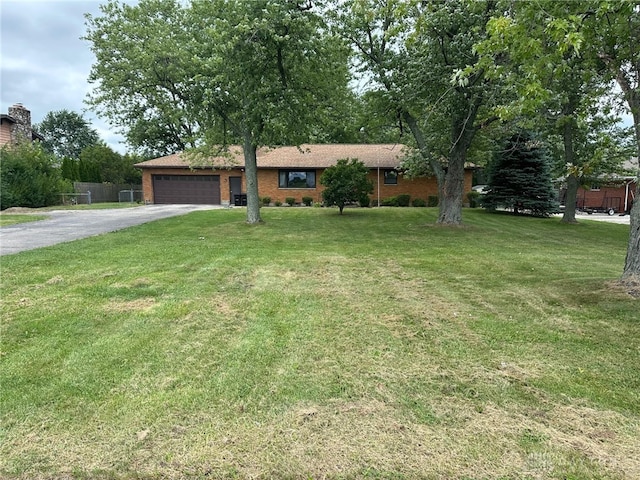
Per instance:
{"type": "Point", "coordinates": [67, 225]}
{"type": "Point", "coordinates": [603, 217]}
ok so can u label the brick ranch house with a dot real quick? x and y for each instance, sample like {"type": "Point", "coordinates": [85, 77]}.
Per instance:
{"type": "Point", "coordinates": [283, 172]}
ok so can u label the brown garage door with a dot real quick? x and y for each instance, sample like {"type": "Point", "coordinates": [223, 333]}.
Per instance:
{"type": "Point", "coordinates": [203, 189]}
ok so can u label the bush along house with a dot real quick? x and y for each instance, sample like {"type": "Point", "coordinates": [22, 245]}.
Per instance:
{"type": "Point", "coordinates": [284, 173]}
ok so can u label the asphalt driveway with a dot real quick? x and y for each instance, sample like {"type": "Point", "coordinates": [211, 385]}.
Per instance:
{"type": "Point", "coordinates": [67, 225]}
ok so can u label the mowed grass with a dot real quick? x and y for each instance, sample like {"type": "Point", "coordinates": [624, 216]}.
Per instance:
{"type": "Point", "coordinates": [368, 345]}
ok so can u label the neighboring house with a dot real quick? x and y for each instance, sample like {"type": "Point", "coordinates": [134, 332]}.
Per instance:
{"type": "Point", "coordinates": [613, 194]}
{"type": "Point", "coordinates": [16, 126]}
{"type": "Point", "coordinates": [283, 172]}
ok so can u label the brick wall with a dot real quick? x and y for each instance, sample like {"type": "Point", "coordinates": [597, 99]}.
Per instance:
{"type": "Point", "coordinates": [417, 188]}
{"type": "Point", "coordinates": [605, 197]}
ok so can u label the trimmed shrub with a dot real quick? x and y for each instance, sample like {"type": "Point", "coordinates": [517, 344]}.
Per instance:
{"type": "Point", "coordinates": [266, 201]}
{"type": "Point", "coordinates": [474, 199]}
{"type": "Point", "coordinates": [403, 200]}
{"type": "Point", "coordinates": [418, 202]}
{"type": "Point", "coordinates": [290, 200]}
{"type": "Point", "coordinates": [365, 201]}
{"type": "Point", "coordinates": [278, 203]}
{"type": "Point", "coordinates": [307, 201]}
{"type": "Point", "coordinates": [389, 202]}
{"type": "Point", "coordinates": [432, 201]}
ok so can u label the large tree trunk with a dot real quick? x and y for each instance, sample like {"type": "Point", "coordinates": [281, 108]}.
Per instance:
{"type": "Point", "coordinates": [450, 212]}
{"type": "Point", "coordinates": [571, 199]}
{"type": "Point", "coordinates": [631, 272]}
{"type": "Point", "coordinates": [462, 133]}
{"type": "Point", "coordinates": [251, 176]}
{"type": "Point", "coordinates": [632, 262]}
{"type": "Point", "coordinates": [569, 215]}
{"type": "Point", "coordinates": [451, 181]}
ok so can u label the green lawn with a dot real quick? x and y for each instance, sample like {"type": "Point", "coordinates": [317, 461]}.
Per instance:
{"type": "Point", "coordinates": [368, 345]}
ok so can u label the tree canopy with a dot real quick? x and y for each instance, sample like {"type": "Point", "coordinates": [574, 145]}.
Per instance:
{"type": "Point", "coordinates": [214, 72]}
{"type": "Point", "coordinates": [411, 51]}
{"type": "Point", "coordinates": [66, 134]}
{"type": "Point", "coordinates": [345, 182]}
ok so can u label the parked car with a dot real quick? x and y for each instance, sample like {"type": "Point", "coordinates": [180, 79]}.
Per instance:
{"type": "Point", "coordinates": [480, 188]}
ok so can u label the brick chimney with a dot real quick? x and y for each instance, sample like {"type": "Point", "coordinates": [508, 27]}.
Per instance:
{"type": "Point", "coordinates": [21, 130]}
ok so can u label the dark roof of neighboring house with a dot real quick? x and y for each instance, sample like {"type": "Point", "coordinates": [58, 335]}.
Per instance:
{"type": "Point", "coordinates": [631, 166]}
{"type": "Point", "coordinates": [304, 156]}
{"type": "Point", "coordinates": [630, 171]}
{"type": "Point", "coordinates": [9, 118]}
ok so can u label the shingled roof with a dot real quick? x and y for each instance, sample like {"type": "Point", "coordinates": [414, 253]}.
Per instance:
{"type": "Point", "coordinates": [304, 156]}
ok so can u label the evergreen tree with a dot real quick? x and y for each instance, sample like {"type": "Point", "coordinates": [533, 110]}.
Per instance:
{"type": "Point", "coordinates": [520, 178]}
{"type": "Point", "coordinates": [70, 169]}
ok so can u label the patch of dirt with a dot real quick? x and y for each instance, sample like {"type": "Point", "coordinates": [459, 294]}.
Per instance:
{"type": "Point", "coordinates": [629, 287]}
{"type": "Point", "coordinates": [138, 305]}
{"type": "Point", "coordinates": [19, 210]}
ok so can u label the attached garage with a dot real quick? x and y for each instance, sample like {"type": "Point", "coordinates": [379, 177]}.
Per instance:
{"type": "Point", "coordinates": [193, 189]}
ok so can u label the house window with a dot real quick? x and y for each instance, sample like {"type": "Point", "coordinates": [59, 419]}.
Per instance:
{"type": "Point", "coordinates": [390, 177]}
{"type": "Point", "coordinates": [595, 188]}
{"type": "Point", "coordinates": [297, 179]}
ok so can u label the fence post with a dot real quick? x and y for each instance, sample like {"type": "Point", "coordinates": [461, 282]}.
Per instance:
{"type": "Point", "coordinates": [88, 197]}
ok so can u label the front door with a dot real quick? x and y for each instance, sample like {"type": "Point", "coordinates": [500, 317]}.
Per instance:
{"type": "Point", "coordinates": [235, 187]}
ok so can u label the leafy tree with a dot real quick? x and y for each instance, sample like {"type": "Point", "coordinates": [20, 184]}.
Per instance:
{"type": "Point", "coordinates": [610, 31]}
{"type": "Point", "coordinates": [559, 89]}
{"type": "Point", "coordinates": [347, 181]}
{"type": "Point", "coordinates": [99, 163]}
{"type": "Point", "coordinates": [131, 174]}
{"type": "Point", "coordinates": [143, 74]}
{"type": "Point", "coordinates": [216, 72]}
{"type": "Point", "coordinates": [520, 178]}
{"type": "Point", "coordinates": [412, 51]}
{"type": "Point", "coordinates": [604, 36]}
{"type": "Point", "coordinates": [66, 134]}
{"type": "Point", "coordinates": [29, 177]}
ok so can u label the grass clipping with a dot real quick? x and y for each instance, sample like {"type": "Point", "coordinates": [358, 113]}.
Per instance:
{"type": "Point", "coordinates": [366, 438]}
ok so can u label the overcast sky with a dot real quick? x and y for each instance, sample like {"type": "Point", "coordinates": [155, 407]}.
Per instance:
{"type": "Point", "coordinates": [44, 64]}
